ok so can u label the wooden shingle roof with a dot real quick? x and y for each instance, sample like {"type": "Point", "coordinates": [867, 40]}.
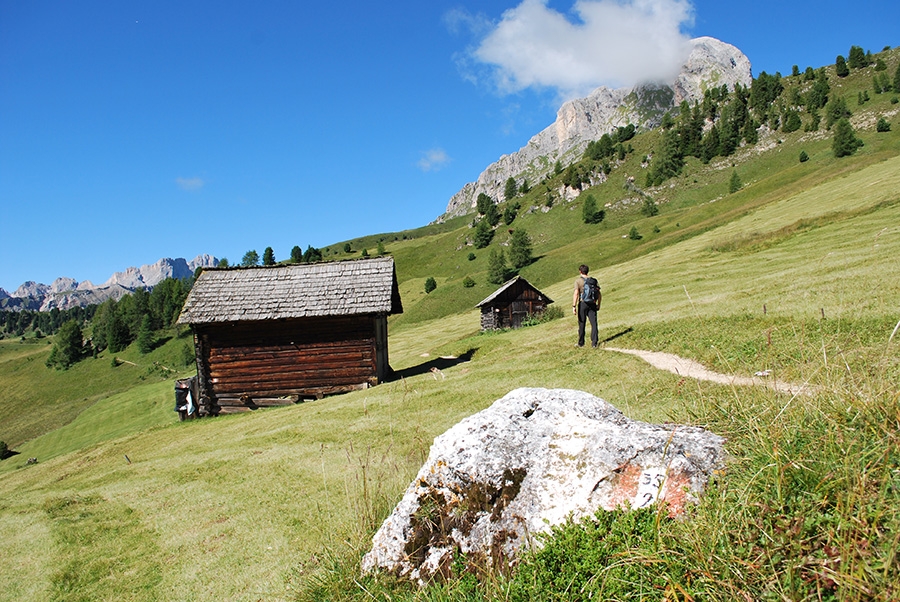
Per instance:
{"type": "Point", "coordinates": [340, 288]}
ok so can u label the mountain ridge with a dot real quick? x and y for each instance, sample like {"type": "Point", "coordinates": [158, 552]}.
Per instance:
{"type": "Point", "coordinates": [65, 292]}
{"type": "Point", "coordinates": [711, 63]}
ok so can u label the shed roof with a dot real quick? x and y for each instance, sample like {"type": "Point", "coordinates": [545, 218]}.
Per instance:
{"type": "Point", "coordinates": [510, 284]}
{"type": "Point", "coordinates": [339, 288]}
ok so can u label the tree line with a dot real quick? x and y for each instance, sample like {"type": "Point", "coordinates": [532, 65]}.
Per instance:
{"type": "Point", "coordinates": [116, 324]}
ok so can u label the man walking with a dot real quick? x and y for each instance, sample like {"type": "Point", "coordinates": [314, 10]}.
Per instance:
{"type": "Point", "coordinates": [585, 301]}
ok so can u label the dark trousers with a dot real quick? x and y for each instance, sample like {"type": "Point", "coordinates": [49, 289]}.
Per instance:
{"type": "Point", "coordinates": [587, 312]}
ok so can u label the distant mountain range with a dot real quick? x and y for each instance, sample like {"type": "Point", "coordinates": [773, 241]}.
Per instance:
{"type": "Point", "coordinates": [66, 293]}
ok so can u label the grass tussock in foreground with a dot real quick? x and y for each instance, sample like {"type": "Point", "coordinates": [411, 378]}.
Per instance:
{"type": "Point", "coordinates": [808, 509]}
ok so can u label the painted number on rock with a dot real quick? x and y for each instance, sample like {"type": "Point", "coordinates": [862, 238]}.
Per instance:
{"type": "Point", "coordinates": [649, 486]}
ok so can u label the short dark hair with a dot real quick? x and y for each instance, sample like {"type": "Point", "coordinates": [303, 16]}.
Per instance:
{"type": "Point", "coordinates": [583, 269]}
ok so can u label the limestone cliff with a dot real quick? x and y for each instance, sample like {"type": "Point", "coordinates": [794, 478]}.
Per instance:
{"type": "Point", "coordinates": [711, 63]}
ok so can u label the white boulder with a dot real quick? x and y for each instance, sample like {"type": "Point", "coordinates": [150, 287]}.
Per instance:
{"type": "Point", "coordinates": [530, 461]}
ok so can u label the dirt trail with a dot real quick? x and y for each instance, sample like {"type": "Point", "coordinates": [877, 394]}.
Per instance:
{"type": "Point", "coordinates": [692, 369]}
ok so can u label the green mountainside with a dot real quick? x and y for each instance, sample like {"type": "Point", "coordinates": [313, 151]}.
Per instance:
{"type": "Point", "coordinates": [753, 261]}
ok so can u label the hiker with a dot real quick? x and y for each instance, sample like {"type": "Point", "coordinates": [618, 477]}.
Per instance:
{"type": "Point", "coordinates": [585, 301]}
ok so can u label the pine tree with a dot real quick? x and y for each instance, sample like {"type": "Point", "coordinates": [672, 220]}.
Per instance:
{"type": "Point", "coordinates": [840, 67]}
{"type": "Point", "coordinates": [268, 256]}
{"type": "Point", "coordinates": [297, 254]}
{"type": "Point", "coordinates": [483, 234]}
{"type": "Point", "coordinates": [68, 346]}
{"type": "Point", "coordinates": [519, 249]}
{"type": "Point", "coordinates": [792, 121]}
{"type": "Point", "coordinates": [483, 202]}
{"type": "Point", "coordinates": [250, 258]}
{"type": "Point", "coordinates": [734, 184]}
{"type": "Point", "coordinates": [497, 269]}
{"type": "Point", "coordinates": [511, 189]}
{"type": "Point", "coordinates": [845, 141]}
{"type": "Point", "coordinates": [836, 109]}
{"type": "Point", "coordinates": [430, 285]}
{"type": "Point", "coordinates": [589, 212]}
{"type": "Point", "coordinates": [857, 58]}
{"type": "Point", "coordinates": [896, 82]}
{"type": "Point", "coordinates": [492, 215]}
{"type": "Point", "coordinates": [145, 336]}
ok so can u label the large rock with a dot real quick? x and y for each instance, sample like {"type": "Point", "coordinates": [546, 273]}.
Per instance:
{"type": "Point", "coordinates": [711, 63]}
{"type": "Point", "coordinates": [530, 461]}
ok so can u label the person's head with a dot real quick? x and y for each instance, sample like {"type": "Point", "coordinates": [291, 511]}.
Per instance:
{"type": "Point", "coordinates": [583, 269]}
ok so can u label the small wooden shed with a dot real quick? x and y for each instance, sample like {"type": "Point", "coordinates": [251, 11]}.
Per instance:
{"type": "Point", "coordinates": [510, 304]}
{"type": "Point", "coordinates": [275, 335]}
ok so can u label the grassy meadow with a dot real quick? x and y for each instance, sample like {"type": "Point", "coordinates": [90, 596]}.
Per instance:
{"type": "Point", "coordinates": [796, 273]}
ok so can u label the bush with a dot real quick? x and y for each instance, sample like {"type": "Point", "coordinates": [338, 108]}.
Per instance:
{"type": "Point", "coordinates": [468, 282]}
{"type": "Point", "coordinates": [471, 256]}
{"type": "Point", "coordinates": [803, 157]}
{"type": "Point", "coordinates": [430, 285]}
{"type": "Point", "coordinates": [634, 234]}
{"type": "Point", "coordinates": [883, 125]}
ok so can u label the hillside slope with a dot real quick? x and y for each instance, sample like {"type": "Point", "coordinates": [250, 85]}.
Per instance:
{"type": "Point", "coordinates": [795, 273]}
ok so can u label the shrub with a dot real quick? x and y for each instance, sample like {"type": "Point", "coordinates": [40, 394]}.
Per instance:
{"type": "Point", "coordinates": [430, 285]}
{"type": "Point", "coordinates": [803, 157]}
{"type": "Point", "coordinates": [471, 256]}
{"type": "Point", "coordinates": [468, 282]}
{"type": "Point", "coordinates": [634, 234]}
{"type": "Point", "coordinates": [883, 125]}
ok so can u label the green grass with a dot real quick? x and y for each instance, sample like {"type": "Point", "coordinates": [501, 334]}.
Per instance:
{"type": "Point", "coordinates": [796, 273]}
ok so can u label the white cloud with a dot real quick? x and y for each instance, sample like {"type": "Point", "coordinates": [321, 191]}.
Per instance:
{"type": "Point", "coordinates": [433, 160]}
{"type": "Point", "coordinates": [603, 42]}
{"type": "Point", "coordinates": [190, 183]}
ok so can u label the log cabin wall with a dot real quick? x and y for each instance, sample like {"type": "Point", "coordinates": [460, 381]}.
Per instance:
{"type": "Point", "coordinates": [511, 304]}
{"type": "Point", "coordinates": [249, 364]}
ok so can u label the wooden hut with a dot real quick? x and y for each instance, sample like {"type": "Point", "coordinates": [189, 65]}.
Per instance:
{"type": "Point", "coordinates": [510, 304]}
{"type": "Point", "coordinates": [275, 335]}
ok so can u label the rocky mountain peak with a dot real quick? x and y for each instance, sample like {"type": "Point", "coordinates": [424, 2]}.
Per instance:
{"type": "Point", "coordinates": [66, 293]}
{"type": "Point", "coordinates": [711, 63]}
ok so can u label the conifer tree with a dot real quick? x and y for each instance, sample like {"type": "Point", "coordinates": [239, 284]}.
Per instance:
{"type": "Point", "coordinates": [268, 256]}
{"type": "Point", "coordinates": [845, 141]}
{"type": "Point", "coordinates": [857, 58]}
{"type": "Point", "coordinates": [483, 202]}
{"type": "Point", "coordinates": [297, 254]}
{"type": "Point", "coordinates": [519, 249]}
{"type": "Point", "coordinates": [483, 234]}
{"type": "Point", "coordinates": [497, 269]}
{"type": "Point", "coordinates": [145, 336]}
{"type": "Point", "coordinates": [511, 189]}
{"type": "Point", "coordinates": [250, 258]}
{"type": "Point", "coordinates": [735, 183]}
{"type": "Point", "coordinates": [840, 67]}
{"type": "Point", "coordinates": [68, 346]}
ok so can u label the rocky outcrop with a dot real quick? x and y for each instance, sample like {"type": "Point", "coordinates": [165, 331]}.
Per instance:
{"type": "Point", "coordinates": [534, 459]}
{"type": "Point", "coordinates": [711, 63]}
{"type": "Point", "coordinates": [66, 293]}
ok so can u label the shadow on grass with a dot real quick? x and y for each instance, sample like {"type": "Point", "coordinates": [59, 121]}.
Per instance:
{"type": "Point", "coordinates": [438, 363]}
{"type": "Point", "coordinates": [617, 335]}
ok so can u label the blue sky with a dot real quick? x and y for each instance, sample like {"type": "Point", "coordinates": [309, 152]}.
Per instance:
{"type": "Point", "coordinates": [134, 131]}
